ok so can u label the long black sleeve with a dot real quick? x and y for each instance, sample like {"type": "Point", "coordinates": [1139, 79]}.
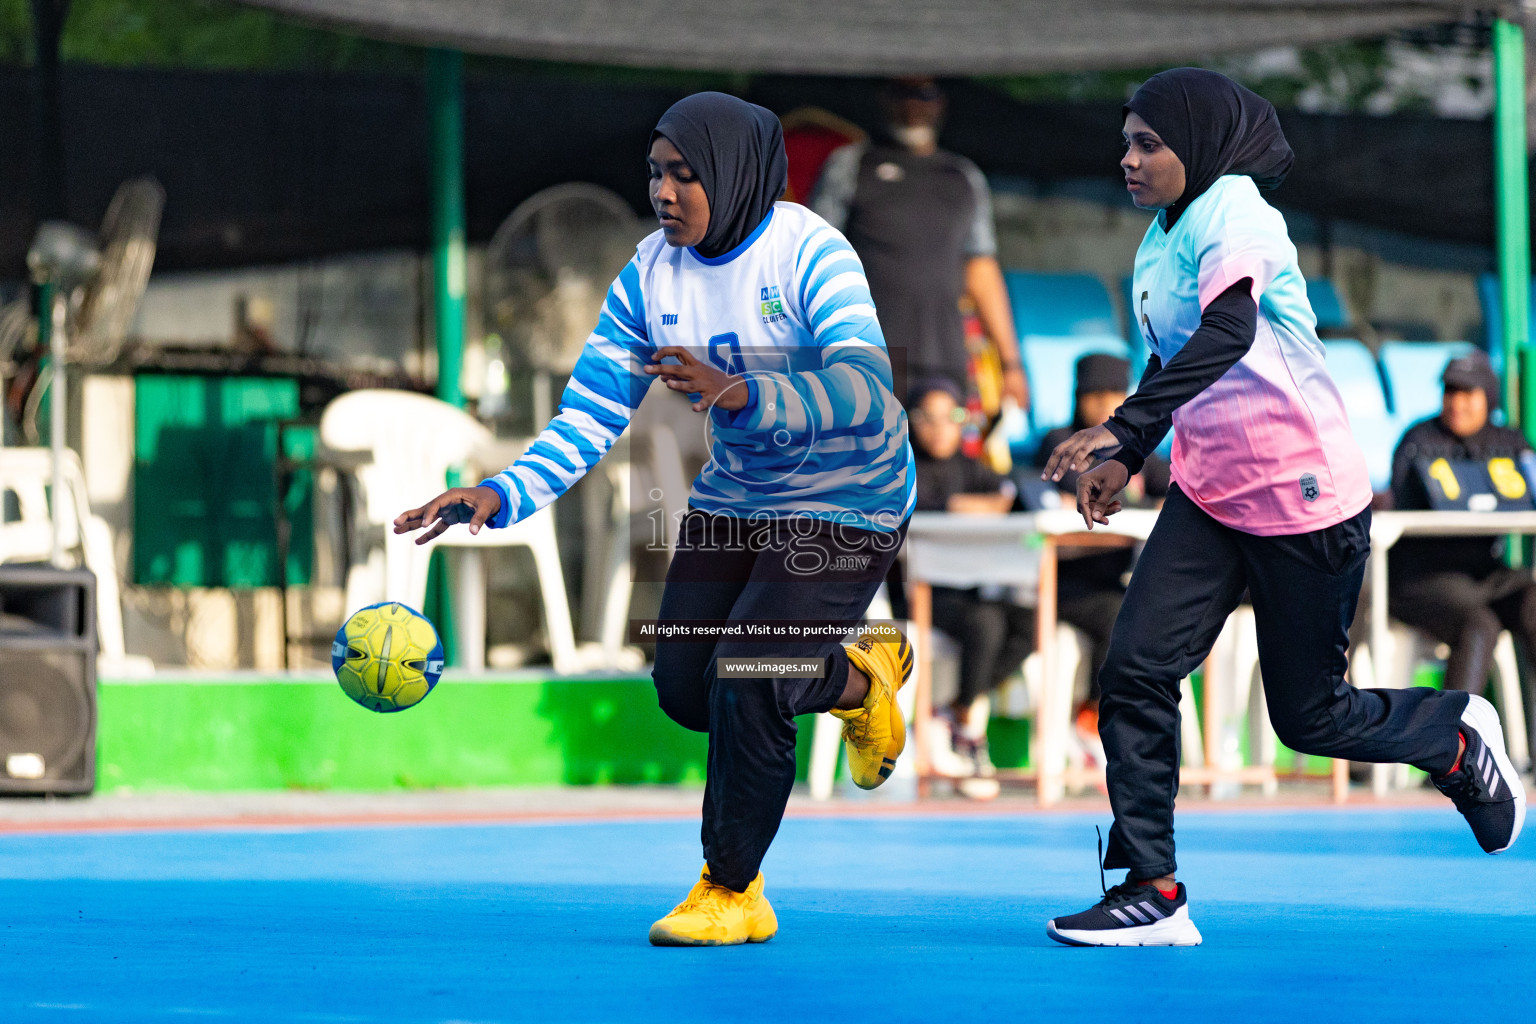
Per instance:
{"type": "Point", "coordinates": [1226, 332]}
{"type": "Point", "coordinates": [1136, 443]}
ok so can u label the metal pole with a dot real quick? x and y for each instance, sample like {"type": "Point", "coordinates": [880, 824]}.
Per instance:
{"type": "Point", "coordinates": [48, 18]}
{"type": "Point", "coordinates": [445, 102]}
{"type": "Point", "coordinates": [1512, 206]}
{"type": "Point", "coordinates": [58, 414]}
{"type": "Point", "coordinates": [445, 98]}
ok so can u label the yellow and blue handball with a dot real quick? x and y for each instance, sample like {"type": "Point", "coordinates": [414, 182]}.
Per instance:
{"type": "Point", "coordinates": [387, 656]}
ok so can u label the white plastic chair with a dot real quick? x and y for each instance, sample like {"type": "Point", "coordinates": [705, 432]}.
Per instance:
{"type": "Point", "coordinates": [656, 465]}
{"type": "Point", "coordinates": [1053, 736]}
{"type": "Point", "coordinates": [412, 441]}
{"type": "Point", "coordinates": [28, 473]}
{"type": "Point", "coordinates": [1233, 688]}
{"type": "Point", "coordinates": [1410, 648]}
{"type": "Point", "coordinates": [1050, 737]}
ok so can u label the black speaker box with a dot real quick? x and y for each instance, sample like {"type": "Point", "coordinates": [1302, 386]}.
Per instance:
{"type": "Point", "coordinates": [47, 679]}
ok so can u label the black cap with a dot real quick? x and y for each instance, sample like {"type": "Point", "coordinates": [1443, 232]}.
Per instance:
{"type": "Point", "coordinates": [915, 87]}
{"type": "Point", "coordinates": [926, 386]}
{"type": "Point", "coordinates": [1470, 371]}
{"type": "Point", "coordinates": [1102, 372]}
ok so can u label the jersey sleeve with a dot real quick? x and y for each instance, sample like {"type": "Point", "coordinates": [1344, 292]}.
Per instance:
{"type": "Point", "coordinates": [1233, 242]}
{"type": "Point", "coordinates": [981, 237]}
{"type": "Point", "coordinates": [854, 386]}
{"type": "Point", "coordinates": [1137, 441]}
{"type": "Point", "coordinates": [605, 389]}
{"type": "Point", "coordinates": [835, 185]}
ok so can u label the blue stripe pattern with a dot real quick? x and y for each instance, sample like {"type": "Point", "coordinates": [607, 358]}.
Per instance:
{"type": "Point", "coordinates": [606, 387]}
{"type": "Point", "coordinates": [823, 433]}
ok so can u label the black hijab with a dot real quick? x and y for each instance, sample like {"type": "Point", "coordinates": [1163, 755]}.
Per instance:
{"type": "Point", "coordinates": [1215, 127]}
{"type": "Point", "coordinates": [737, 150]}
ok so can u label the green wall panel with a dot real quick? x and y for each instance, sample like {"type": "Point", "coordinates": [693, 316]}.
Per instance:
{"type": "Point", "coordinates": [307, 735]}
{"type": "Point", "coordinates": [205, 451]}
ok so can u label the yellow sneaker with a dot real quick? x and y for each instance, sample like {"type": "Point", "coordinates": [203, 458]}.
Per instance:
{"type": "Point", "coordinates": [875, 734]}
{"type": "Point", "coordinates": [713, 915]}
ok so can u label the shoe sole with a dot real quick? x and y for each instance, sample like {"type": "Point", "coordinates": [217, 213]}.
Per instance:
{"type": "Point", "coordinates": [1174, 930]}
{"type": "Point", "coordinates": [666, 938]}
{"type": "Point", "coordinates": [1480, 715]}
{"type": "Point", "coordinates": [905, 659]}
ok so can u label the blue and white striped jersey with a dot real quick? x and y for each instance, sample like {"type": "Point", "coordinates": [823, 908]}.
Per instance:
{"type": "Point", "coordinates": [789, 309]}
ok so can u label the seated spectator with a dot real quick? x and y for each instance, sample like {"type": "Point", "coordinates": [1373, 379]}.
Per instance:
{"type": "Point", "coordinates": [1458, 589]}
{"type": "Point", "coordinates": [994, 634]}
{"type": "Point", "coordinates": [1090, 587]}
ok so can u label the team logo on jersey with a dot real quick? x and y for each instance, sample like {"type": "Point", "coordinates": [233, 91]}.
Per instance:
{"type": "Point", "coordinates": [669, 319]}
{"type": "Point", "coordinates": [772, 304]}
{"type": "Point", "coordinates": [1309, 488]}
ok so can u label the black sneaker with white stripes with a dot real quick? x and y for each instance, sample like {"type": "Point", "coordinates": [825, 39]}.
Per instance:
{"type": "Point", "coordinates": [1130, 915]}
{"type": "Point", "coordinates": [1486, 789]}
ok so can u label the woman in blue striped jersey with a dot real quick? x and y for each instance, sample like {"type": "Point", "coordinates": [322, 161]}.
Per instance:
{"type": "Point", "coordinates": [759, 312]}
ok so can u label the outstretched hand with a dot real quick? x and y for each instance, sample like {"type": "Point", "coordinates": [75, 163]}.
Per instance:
{"type": "Point", "coordinates": [472, 505]}
{"type": "Point", "coordinates": [1078, 452]}
{"type": "Point", "coordinates": [713, 385]}
{"type": "Point", "coordinates": [1097, 490]}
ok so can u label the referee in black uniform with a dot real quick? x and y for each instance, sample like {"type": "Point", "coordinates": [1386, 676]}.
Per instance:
{"type": "Point", "coordinates": [920, 219]}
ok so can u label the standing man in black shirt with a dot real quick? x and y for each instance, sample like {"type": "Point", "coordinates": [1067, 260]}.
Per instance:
{"type": "Point", "coordinates": [1458, 589]}
{"type": "Point", "coordinates": [920, 219]}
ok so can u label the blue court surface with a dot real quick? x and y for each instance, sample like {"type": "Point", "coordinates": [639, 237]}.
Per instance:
{"type": "Point", "coordinates": [1309, 916]}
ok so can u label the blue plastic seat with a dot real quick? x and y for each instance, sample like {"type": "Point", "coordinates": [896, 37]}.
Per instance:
{"type": "Point", "coordinates": [1051, 365]}
{"type": "Point", "coordinates": [1358, 378]}
{"type": "Point", "coordinates": [1493, 317]}
{"type": "Point", "coordinates": [1059, 304]}
{"type": "Point", "coordinates": [1412, 370]}
{"type": "Point", "coordinates": [1356, 375]}
{"type": "Point", "coordinates": [1326, 305]}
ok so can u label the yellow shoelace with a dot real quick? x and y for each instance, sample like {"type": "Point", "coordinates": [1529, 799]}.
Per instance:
{"type": "Point", "coordinates": [713, 900]}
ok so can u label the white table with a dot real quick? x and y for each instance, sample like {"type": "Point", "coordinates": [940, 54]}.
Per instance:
{"type": "Point", "coordinates": [1387, 528]}
{"type": "Point", "coordinates": [1019, 549]}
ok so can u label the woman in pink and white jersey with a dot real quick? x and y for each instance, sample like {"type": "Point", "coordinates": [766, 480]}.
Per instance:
{"type": "Point", "coordinates": [1270, 495]}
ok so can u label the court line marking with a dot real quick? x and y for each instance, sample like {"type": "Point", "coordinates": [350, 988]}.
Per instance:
{"type": "Point", "coordinates": [617, 815]}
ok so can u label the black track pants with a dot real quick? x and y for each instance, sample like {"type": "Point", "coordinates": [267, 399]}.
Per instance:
{"type": "Point", "coordinates": [728, 569]}
{"type": "Point", "coordinates": [994, 638]}
{"type": "Point", "coordinates": [1304, 589]}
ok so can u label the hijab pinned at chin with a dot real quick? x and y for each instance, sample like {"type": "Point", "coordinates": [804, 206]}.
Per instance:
{"type": "Point", "coordinates": [1215, 127]}
{"type": "Point", "coordinates": [737, 150]}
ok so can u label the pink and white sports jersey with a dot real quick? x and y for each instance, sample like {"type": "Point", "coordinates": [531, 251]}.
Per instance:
{"type": "Point", "coordinates": [1267, 449]}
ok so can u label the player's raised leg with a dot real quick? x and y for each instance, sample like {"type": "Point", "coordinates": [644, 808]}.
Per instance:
{"type": "Point", "coordinates": [1304, 590]}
